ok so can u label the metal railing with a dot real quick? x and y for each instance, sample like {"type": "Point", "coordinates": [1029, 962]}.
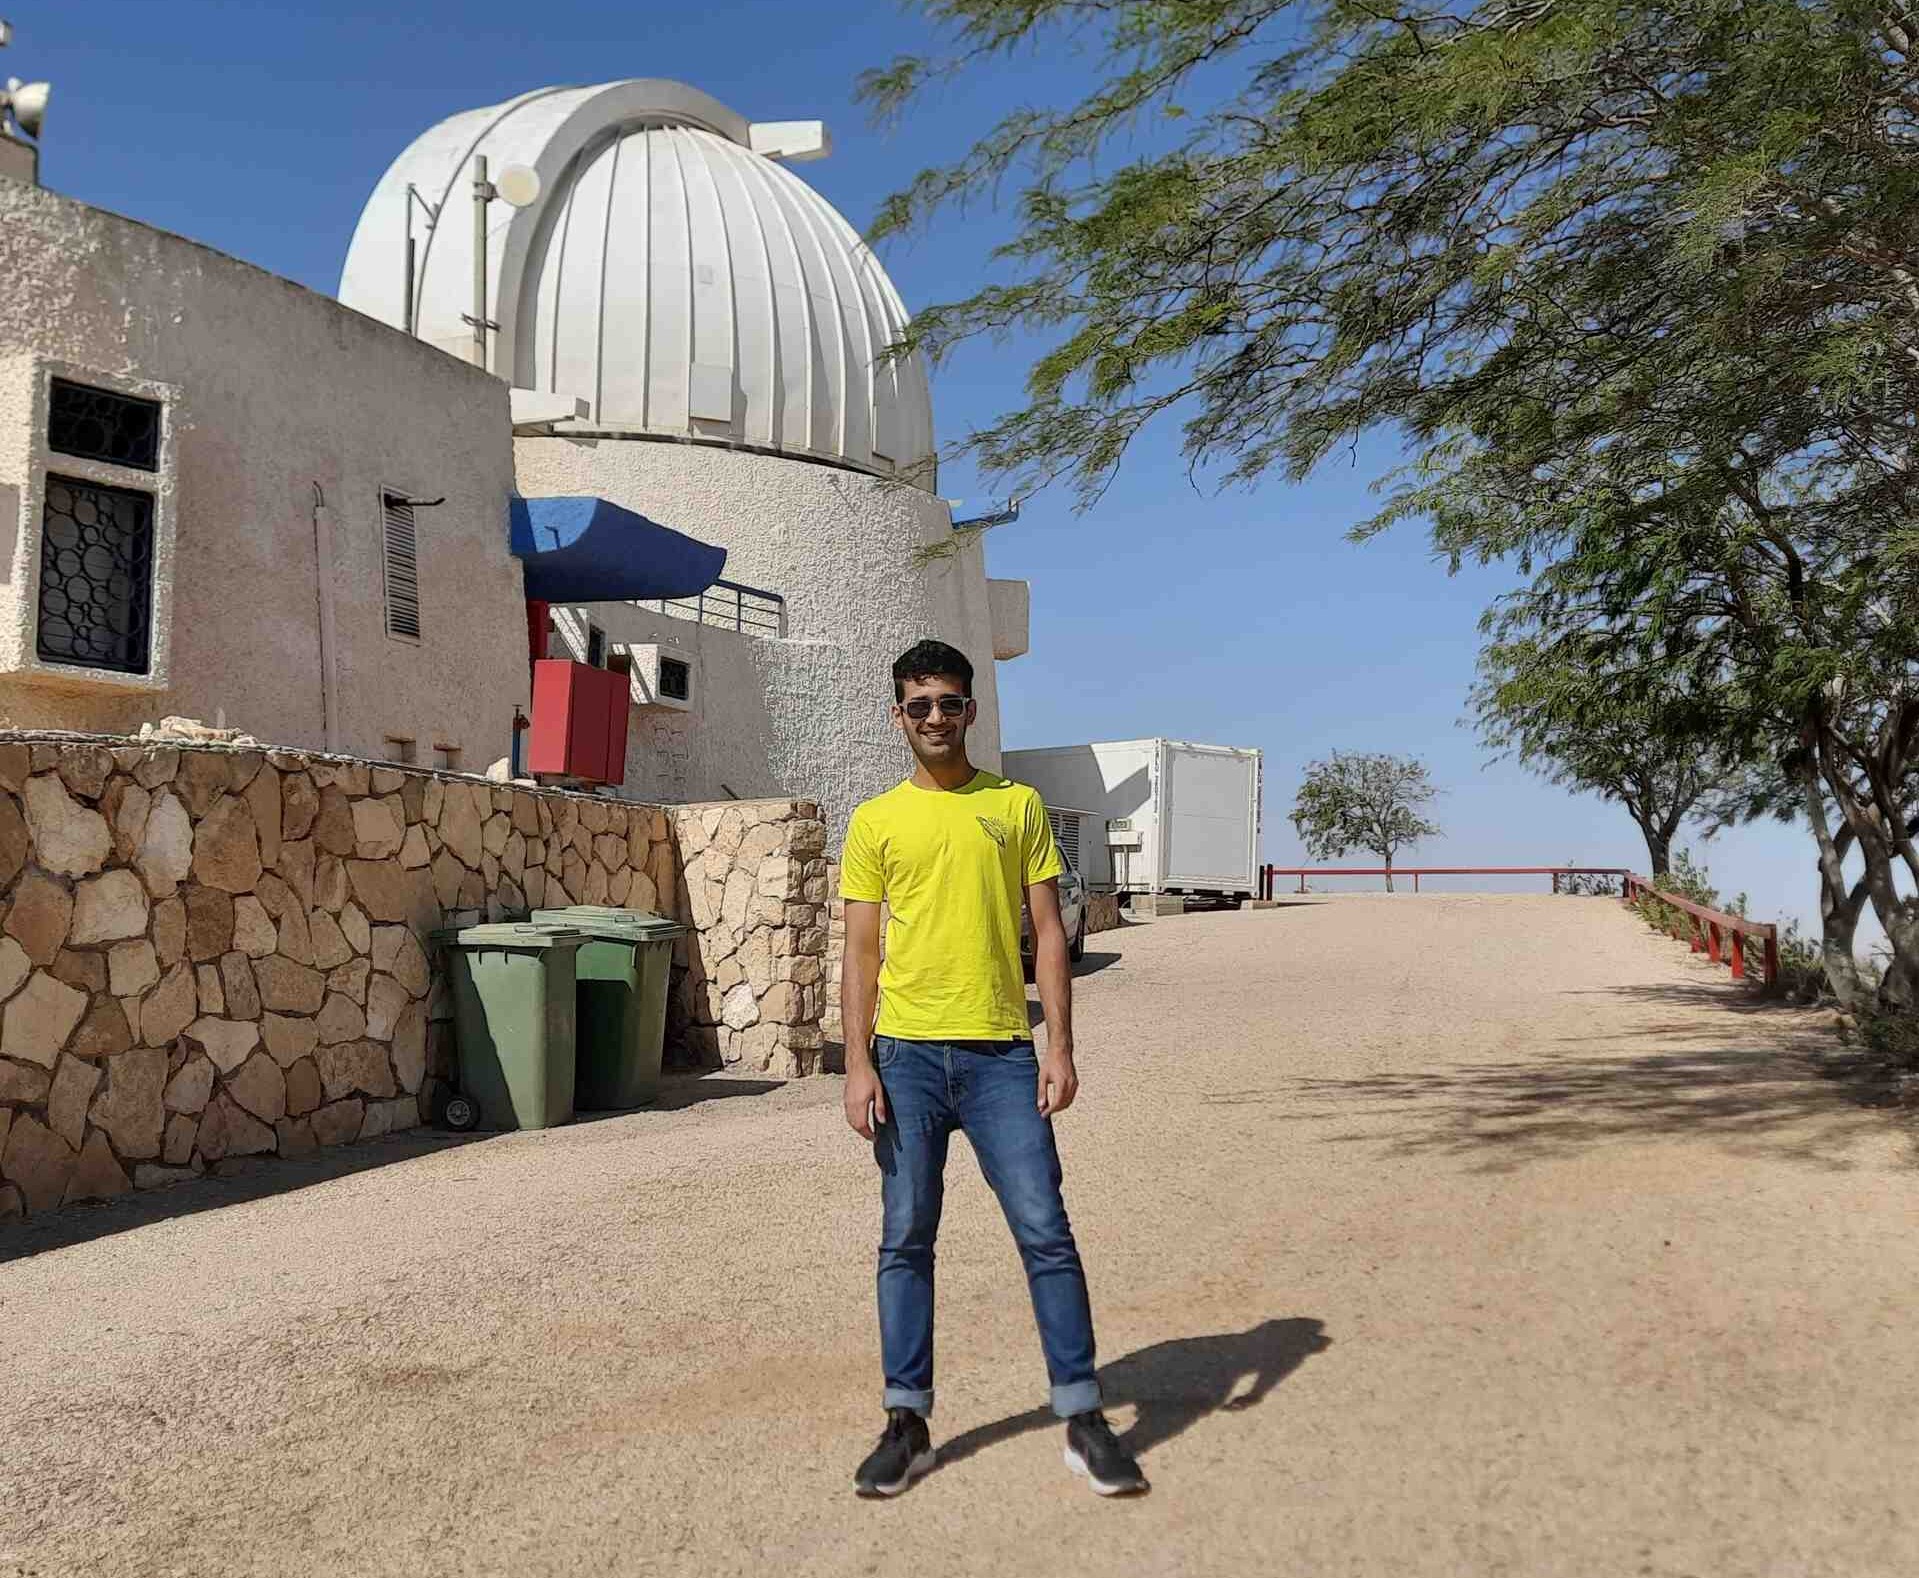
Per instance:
{"type": "Point", "coordinates": [1557, 873]}
{"type": "Point", "coordinates": [727, 605]}
{"type": "Point", "coordinates": [1718, 935]}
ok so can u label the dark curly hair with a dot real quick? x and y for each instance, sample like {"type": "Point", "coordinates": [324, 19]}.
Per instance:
{"type": "Point", "coordinates": [925, 659]}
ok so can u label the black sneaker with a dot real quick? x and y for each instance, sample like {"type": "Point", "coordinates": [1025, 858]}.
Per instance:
{"type": "Point", "coordinates": [1093, 1450]}
{"type": "Point", "coordinates": [905, 1452]}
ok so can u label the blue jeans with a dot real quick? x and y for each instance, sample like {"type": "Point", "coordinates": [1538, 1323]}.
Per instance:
{"type": "Point", "coordinates": [989, 1090]}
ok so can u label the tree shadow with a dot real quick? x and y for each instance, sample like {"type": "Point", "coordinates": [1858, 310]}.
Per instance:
{"type": "Point", "coordinates": [1173, 1385]}
{"type": "Point", "coordinates": [1754, 1076]}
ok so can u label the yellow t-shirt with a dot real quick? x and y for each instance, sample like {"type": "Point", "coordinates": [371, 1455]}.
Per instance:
{"type": "Point", "coordinates": [952, 865]}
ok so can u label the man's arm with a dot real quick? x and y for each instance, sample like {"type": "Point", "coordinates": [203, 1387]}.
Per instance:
{"type": "Point", "coordinates": [859, 996]}
{"type": "Point", "coordinates": [1058, 1080]}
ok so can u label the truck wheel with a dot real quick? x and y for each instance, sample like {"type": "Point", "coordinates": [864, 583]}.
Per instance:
{"type": "Point", "coordinates": [461, 1114]}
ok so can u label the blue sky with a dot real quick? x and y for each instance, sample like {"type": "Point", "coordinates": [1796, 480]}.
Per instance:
{"type": "Point", "coordinates": [1240, 618]}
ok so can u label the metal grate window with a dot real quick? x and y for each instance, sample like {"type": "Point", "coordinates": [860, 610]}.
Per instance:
{"type": "Point", "coordinates": [98, 424]}
{"type": "Point", "coordinates": [1065, 825]}
{"type": "Point", "coordinates": [400, 552]}
{"type": "Point", "coordinates": [96, 576]}
{"type": "Point", "coordinates": [676, 679]}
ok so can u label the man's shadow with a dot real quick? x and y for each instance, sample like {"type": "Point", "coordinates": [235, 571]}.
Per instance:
{"type": "Point", "coordinates": [1175, 1384]}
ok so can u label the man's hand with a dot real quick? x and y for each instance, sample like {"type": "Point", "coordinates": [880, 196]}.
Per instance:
{"type": "Point", "coordinates": [865, 1097]}
{"type": "Point", "coordinates": [1058, 1081]}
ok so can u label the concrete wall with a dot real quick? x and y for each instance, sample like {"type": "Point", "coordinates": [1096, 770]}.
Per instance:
{"type": "Point", "coordinates": [209, 952]}
{"type": "Point", "coordinates": [807, 713]}
{"type": "Point", "coordinates": [270, 389]}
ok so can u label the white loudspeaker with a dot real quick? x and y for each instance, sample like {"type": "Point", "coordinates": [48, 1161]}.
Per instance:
{"type": "Point", "coordinates": [28, 101]}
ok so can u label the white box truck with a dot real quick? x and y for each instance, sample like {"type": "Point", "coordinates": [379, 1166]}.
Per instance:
{"type": "Point", "coordinates": [1180, 818]}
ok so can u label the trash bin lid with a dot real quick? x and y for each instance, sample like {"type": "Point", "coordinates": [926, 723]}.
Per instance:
{"type": "Point", "coordinates": [608, 920]}
{"type": "Point", "coordinates": [509, 934]}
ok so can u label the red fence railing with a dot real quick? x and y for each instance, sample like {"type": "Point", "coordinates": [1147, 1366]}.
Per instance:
{"type": "Point", "coordinates": [1718, 935]}
{"type": "Point", "coordinates": [1557, 873]}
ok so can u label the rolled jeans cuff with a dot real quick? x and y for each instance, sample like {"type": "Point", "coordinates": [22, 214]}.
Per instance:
{"type": "Point", "coordinates": [1079, 1398]}
{"type": "Point", "coordinates": [901, 1397]}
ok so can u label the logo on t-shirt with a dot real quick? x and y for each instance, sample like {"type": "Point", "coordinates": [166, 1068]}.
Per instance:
{"type": "Point", "coordinates": [995, 829]}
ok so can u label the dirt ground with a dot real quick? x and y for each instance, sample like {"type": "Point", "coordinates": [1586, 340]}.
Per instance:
{"type": "Point", "coordinates": [1434, 1235]}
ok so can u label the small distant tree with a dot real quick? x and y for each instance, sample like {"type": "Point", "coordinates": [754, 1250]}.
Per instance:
{"type": "Point", "coordinates": [1364, 800]}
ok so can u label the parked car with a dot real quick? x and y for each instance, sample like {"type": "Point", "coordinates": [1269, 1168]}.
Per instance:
{"type": "Point", "coordinates": [1072, 915]}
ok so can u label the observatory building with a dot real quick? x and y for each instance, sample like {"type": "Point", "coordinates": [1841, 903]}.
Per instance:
{"type": "Point", "coordinates": [692, 334]}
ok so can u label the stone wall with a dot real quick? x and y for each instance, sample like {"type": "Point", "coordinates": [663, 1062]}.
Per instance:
{"type": "Point", "coordinates": [753, 881]}
{"type": "Point", "coordinates": [218, 951]}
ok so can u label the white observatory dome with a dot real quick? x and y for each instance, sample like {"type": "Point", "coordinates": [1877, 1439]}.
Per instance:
{"type": "Point", "coordinates": [671, 272]}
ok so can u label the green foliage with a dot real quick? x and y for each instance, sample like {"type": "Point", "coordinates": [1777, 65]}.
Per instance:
{"type": "Point", "coordinates": [1639, 281]}
{"type": "Point", "coordinates": [1802, 970]}
{"type": "Point", "coordinates": [1364, 800]}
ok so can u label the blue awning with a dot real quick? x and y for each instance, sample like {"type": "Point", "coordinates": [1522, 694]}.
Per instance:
{"type": "Point", "coordinates": [587, 550]}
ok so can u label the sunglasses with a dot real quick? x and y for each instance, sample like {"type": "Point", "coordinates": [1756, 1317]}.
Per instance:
{"type": "Point", "coordinates": [920, 708]}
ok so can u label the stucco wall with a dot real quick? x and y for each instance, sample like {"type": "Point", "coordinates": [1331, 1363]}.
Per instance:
{"type": "Point", "coordinates": [807, 713]}
{"type": "Point", "coordinates": [217, 951]}
{"type": "Point", "coordinates": [271, 389]}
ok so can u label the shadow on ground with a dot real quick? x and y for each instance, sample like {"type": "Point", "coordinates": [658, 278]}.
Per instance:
{"type": "Point", "coordinates": [1753, 1075]}
{"type": "Point", "coordinates": [1173, 1385]}
{"type": "Point", "coordinates": [237, 1182]}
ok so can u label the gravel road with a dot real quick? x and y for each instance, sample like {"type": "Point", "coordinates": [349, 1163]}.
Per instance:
{"type": "Point", "coordinates": [1436, 1235]}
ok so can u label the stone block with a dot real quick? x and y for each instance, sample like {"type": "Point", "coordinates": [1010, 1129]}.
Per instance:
{"type": "Point", "coordinates": [67, 1099]}
{"type": "Point", "coordinates": [228, 1129]}
{"type": "Point", "coordinates": [68, 838]}
{"type": "Point", "coordinates": [461, 822]}
{"type": "Point", "coordinates": [413, 851]}
{"type": "Point", "coordinates": [209, 923]}
{"type": "Point", "coordinates": [784, 1003]}
{"type": "Point", "coordinates": [42, 906]}
{"type": "Point", "coordinates": [295, 1137]}
{"type": "Point", "coordinates": [16, 762]}
{"type": "Point", "coordinates": [176, 1150]}
{"type": "Point", "coordinates": [227, 1041]}
{"type": "Point", "coordinates": [201, 779]}
{"type": "Point", "coordinates": [132, 967]}
{"type": "Point", "coordinates": [108, 908]}
{"type": "Point", "coordinates": [254, 933]}
{"type": "Point", "coordinates": [97, 1174]}
{"type": "Point", "coordinates": [103, 1031]}
{"type": "Point", "coordinates": [396, 952]}
{"type": "Point", "coordinates": [303, 1087]}
{"type": "Point", "coordinates": [341, 1019]}
{"type": "Point", "coordinates": [15, 966]}
{"type": "Point", "coordinates": [379, 829]}
{"type": "Point", "coordinates": [288, 1039]}
{"type": "Point", "coordinates": [125, 806]}
{"type": "Point", "coordinates": [86, 971]}
{"type": "Point", "coordinates": [386, 1000]}
{"type": "Point", "coordinates": [236, 977]}
{"type": "Point", "coordinates": [333, 828]}
{"type": "Point", "coordinates": [387, 780]}
{"type": "Point", "coordinates": [328, 943]}
{"type": "Point", "coordinates": [187, 1091]}
{"type": "Point", "coordinates": [213, 997]}
{"type": "Point", "coordinates": [330, 890]}
{"type": "Point", "coordinates": [37, 1161]}
{"type": "Point", "coordinates": [354, 927]}
{"type": "Point", "coordinates": [350, 979]}
{"type": "Point", "coordinates": [299, 805]}
{"type": "Point", "coordinates": [354, 1066]}
{"type": "Point", "coordinates": [260, 1088]}
{"type": "Point", "coordinates": [387, 892]}
{"type": "Point", "coordinates": [39, 1019]}
{"type": "Point", "coordinates": [287, 987]}
{"type": "Point", "coordinates": [158, 764]}
{"type": "Point", "coordinates": [263, 799]}
{"type": "Point", "coordinates": [226, 847]}
{"type": "Point", "coordinates": [170, 1007]}
{"type": "Point", "coordinates": [23, 1083]}
{"type": "Point", "coordinates": [152, 1175]}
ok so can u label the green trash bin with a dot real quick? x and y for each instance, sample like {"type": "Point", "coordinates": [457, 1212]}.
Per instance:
{"type": "Point", "coordinates": [513, 1011]}
{"type": "Point", "coordinates": [620, 1014]}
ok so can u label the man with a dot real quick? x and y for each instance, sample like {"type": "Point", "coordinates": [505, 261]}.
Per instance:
{"type": "Point", "coordinates": [950, 851]}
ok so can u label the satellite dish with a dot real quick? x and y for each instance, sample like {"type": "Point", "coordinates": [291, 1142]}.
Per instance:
{"type": "Point", "coordinates": [518, 184]}
{"type": "Point", "coordinates": [29, 103]}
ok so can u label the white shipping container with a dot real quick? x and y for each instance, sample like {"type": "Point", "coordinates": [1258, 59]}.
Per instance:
{"type": "Point", "coordinates": [1180, 818]}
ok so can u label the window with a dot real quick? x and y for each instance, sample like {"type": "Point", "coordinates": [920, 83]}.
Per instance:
{"type": "Point", "coordinates": [676, 679]}
{"type": "Point", "coordinates": [98, 424]}
{"type": "Point", "coordinates": [96, 576]}
{"type": "Point", "coordinates": [400, 556]}
{"type": "Point", "coordinates": [1065, 825]}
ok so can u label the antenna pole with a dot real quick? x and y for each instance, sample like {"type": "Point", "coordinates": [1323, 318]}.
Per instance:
{"type": "Point", "coordinates": [482, 192]}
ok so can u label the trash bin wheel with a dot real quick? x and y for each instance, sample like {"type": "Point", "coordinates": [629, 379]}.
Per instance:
{"type": "Point", "coordinates": [460, 1114]}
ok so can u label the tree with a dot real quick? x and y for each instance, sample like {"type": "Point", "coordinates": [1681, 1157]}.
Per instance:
{"type": "Point", "coordinates": [1546, 699]}
{"type": "Point", "coordinates": [1639, 281]}
{"type": "Point", "coordinates": [1364, 800]}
